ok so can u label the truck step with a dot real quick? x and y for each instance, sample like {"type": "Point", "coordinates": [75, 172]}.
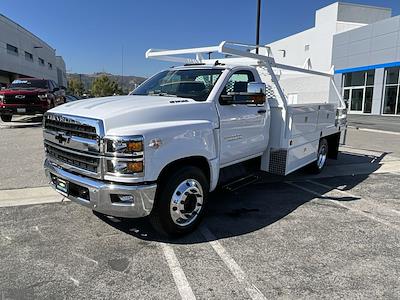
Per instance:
{"type": "Point", "coordinates": [240, 183]}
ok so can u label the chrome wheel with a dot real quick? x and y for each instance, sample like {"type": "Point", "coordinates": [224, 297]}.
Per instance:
{"type": "Point", "coordinates": [322, 155]}
{"type": "Point", "coordinates": [186, 202]}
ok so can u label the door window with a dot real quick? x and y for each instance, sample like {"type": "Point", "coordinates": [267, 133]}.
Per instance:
{"type": "Point", "coordinates": [238, 81]}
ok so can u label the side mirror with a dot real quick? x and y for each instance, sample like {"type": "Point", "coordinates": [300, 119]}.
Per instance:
{"type": "Point", "coordinates": [256, 88]}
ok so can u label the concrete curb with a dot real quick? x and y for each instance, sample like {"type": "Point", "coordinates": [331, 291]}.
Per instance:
{"type": "Point", "coordinates": [29, 196]}
{"type": "Point", "coordinates": [374, 130]}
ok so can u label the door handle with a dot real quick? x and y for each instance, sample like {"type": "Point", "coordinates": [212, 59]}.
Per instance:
{"type": "Point", "coordinates": [262, 111]}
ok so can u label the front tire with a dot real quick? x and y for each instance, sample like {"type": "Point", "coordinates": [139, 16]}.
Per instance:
{"type": "Point", "coordinates": [6, 118]}
{"type": "Point", "coordinates": [180, 202]}
{"type": "Point", "coordinates": [317, 166]}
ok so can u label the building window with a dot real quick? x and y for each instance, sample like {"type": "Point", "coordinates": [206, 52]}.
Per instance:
{"type": "Point", "coordinates": [50, 66]}
{"type": "Point", "coordinates": [358, 89]}
{"type": "Point", "coordinates": [12, 49]}
{"type": "Point", "coordinates": [41, 61]}
{"type": "Point", "coordinates": [391, 102]}
{"type": "Point", "coordinates": [28, 56]}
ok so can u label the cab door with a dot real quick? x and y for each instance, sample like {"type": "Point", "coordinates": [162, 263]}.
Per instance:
{"type": "Point", "coordinates": [243, 131]}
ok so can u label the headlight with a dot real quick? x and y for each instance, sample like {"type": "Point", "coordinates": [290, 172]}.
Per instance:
{"type": "Point", "coordinates": [1, 98]}
{"type": "Point", "coordinates": [124, 155]}
{"type": "Point", "coordinates": [43, 97]}
{"type": "Point", "coordinates": [125, 167]}
{"type": "Point", "coordinates": [127, 146]}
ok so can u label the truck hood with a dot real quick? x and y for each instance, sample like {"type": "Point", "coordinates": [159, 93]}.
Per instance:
{"type": "Point", "coordinates": [122, 111]}
{"type": "Point", "coordinates": [10, 92]}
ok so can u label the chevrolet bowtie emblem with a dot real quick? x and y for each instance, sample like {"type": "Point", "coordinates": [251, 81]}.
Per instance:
{"type": "Point", "coordinates": [62, 137]}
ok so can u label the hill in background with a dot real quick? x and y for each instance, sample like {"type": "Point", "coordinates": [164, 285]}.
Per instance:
{"type": "Point", "coordinates": [129, 83]}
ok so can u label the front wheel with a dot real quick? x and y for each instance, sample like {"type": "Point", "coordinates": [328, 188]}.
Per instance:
{"type": "Point", "coordinates": [317, 166]}
{"type": "Point", "coordinates": [180, 202]}
{"type": "Point", "coordinates": [6, 118]}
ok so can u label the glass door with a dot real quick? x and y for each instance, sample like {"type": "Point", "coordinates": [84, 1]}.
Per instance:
{"type": "Point", "coordinates": [358, 89]}
{"type": "Point", "coordinates": [391, 102]}
{"type": "Point", "coordinates": [356, 100]}
{"type": "Point", "coordinates": [359, 99]}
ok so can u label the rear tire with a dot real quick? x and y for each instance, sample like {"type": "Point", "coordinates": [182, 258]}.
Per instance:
{"type": "Point", "coordinates": [6, 118]}
{"type": "Point", "coordinates": [180, 202]}
{"type": "Point", "coordinates": [317, 166]}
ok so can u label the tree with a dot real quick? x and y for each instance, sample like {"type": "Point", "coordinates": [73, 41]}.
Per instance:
{"type": "Point", "coordinates": [102, 86]}
{"type": "Point", "coordinates": [75, 87]}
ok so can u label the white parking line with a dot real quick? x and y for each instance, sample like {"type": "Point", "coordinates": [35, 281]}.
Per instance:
{"type": "Point", "coordinates": [180, 279]}
{"type": "Point", "coordinates": [235, 269]}
{"type": "Point", "coordinates": [396, 211]}
{"type": "Point", "coordinates": [360, 212]}
{"type": "Point", "coordinates": [345, 193]}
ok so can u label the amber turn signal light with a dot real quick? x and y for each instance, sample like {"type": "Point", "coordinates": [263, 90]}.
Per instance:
{"type": "Point", "coordinates": [135, 167]}
{"type": "Point", "coordinates": [135, 146]}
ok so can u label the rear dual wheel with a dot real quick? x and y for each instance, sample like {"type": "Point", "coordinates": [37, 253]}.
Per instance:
{"type": "Point", "coordinates": [180, 202]}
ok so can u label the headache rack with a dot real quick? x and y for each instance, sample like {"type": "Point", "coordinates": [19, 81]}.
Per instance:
{"type": "Point", "coordinates": [242, 54]}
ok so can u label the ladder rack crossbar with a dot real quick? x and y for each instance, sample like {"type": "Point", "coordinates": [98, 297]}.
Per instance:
{"type": "Point", "coordinates": [239, 50]}
{"type": "Point", "coordinates": [227, 48]}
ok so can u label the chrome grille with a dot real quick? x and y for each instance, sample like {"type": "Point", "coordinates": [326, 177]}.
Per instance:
{"type": "Point", "coordinates": [78, 160]}
{"type": "Point", "coordinates": [21, 99]}
{"type": "Point", "coordinates": [74, 143]}
{"type": "Point", "coordinates": [70, 127]}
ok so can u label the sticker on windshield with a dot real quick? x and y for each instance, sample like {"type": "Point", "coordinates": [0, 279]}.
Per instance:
{"type": "Point", "coordinates": [20, 82]}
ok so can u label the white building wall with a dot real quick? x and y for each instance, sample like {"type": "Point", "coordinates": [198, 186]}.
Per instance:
{"type": "Point", "coordinates": [316, 45]}
{"type": "Point", "coordinates": [378, 92]}
{"type": "Point", "coordinates": [61, 73]}
{"type": "Point", "coordinates": [377, 43]}
{"type": "Point", "coordinates": [15, 35]}
{"type": "Point", "coordinates": [369, 47]}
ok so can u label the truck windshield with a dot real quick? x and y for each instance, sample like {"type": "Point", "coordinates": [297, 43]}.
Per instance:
{"type": "Point", "coordinates": [28, 83]}
{"type": "Point", "coordinates": [191, 83]}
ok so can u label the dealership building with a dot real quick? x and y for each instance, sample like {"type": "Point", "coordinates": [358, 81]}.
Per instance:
{"type": "Point", "coordinates": [361, 45]}
{"type": "Point", "coordinates": [22, 54]}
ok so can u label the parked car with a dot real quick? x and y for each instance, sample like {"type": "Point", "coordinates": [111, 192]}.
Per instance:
{"type": "Point", "coordinates": [29, 96]}
{"type": "Point", "coordinates": [159, 151]}
{"type": "Point", "coordinates": [71, 98]}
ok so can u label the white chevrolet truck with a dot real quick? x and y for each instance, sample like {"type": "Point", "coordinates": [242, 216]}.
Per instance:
{"type": "Point", "coordinates": [161, 150]}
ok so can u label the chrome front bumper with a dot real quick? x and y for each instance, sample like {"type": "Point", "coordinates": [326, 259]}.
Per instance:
{"type": "Point", "coordinates": [100, 194]}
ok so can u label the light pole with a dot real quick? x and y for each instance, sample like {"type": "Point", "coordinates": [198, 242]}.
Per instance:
{"type": "Point", "coordinates": [258, 24]}
{"type": "Point", "coordinates": [122, 69]}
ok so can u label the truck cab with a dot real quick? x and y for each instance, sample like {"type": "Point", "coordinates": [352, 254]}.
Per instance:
{"type": "Point", "coordinates": [159, 151]}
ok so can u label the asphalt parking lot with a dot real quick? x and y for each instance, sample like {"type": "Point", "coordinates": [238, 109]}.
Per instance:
{"type": "Point", "coordinates": [335, 235]}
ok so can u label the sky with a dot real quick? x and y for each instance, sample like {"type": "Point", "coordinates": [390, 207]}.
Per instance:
{"type": "Point", "coordinates": [92, 35]}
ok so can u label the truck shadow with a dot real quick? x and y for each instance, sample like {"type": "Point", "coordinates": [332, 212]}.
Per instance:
{"type": "Point", "coordinates": [261, 204]}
